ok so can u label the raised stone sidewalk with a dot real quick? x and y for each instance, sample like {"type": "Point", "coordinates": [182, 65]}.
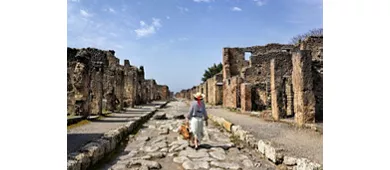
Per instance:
{"type": "Point", "coordinates": [89, 143]}
{"type": "Point", "coordinates": [281, 143]}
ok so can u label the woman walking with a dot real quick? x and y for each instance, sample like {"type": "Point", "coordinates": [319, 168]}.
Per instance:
{"type": "Point", "coordinates": [196, 115]}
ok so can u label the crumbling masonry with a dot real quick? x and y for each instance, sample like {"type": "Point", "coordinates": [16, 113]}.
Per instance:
{"type": "Point", "coordinates": [281, 78]}
{"type": "Point", "coordinates": [97, 83]}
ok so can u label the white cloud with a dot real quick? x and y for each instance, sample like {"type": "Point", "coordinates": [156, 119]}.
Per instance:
{"type": "Point", "coordinates": [202, 0]}
{"type": "Point", "coordinates": [85, 13]}
{"type": "Point", "coordinates": [111, 10]}
{"type": "Point", "coordinates": [156, 22]}
{"type": "Point", "coordinates": [183, 9]}
{"type": "Point", "coordinates": [260, 2]}
{"type": "Point", "coordinates": [236, 9]}
{"type": "Point", "coordinates": [147, 30]}
{"type": "Point", "coordinates": [142, 23]}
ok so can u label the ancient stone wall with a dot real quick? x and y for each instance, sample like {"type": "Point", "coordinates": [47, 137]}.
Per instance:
{"type": "Point", "coordinates": [233, 61]}
{"type": "Point", "coordinates": [85, 83]}
{"type": "Point", "coordinates": [163, 92]}
{"type": "Point", "coordinates": [231, 92]}
{"type": "Point", "coordinates": [97, 83]}
{"type": "Point", "coordinates": [272, 47]}
{"type": "Point", "coordinates": [214, 87]}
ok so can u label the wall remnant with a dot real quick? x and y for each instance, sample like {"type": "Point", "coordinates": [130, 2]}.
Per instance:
{"type": "Point", "coordinates": [97, 83]}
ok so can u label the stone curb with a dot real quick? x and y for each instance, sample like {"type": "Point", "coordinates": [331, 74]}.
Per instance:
{"type": "Point", "coordinates": [96, 150]}
{"type": "Point", "coordinates": [265, 147]}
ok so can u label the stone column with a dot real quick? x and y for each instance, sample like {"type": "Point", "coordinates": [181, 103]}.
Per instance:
{"type": "Point", "coordinates": [290, 97]}
{"type": "Point", "coordinates": [304, 100]}
{"type": "Point", "coordinates": [246, 97]}
{"type": "Point", "coordinates": [277, 104]}
{"type": "Point", "coordinates": [96, 95]}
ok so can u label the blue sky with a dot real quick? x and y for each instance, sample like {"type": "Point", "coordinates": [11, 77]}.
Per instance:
{"type": "Point", "coordinates": [176, 40]}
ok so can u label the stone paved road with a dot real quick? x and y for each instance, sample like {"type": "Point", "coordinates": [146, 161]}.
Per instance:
{"type": "Point", "coordinates": [158, 146]}
{"type": "Point", "coordinates": [79, 136]}
{"type": "Point", "coordinates": [295, 142]}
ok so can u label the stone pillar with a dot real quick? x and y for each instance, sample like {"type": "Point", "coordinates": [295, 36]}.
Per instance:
{"type": "Point", "coordinates": [290, 97]}
{"type": "Point", "coordinates": [304, 100]}
{"type": "Point", "coordinates": [206, 91]}
{"type": "Point", "coordinates": [277, 104]}
{"type": "Point", "coordinates": [129, 86]}
{"type": "Point", "coordinates": [96, 89]}
{"type": "Point", "coordinates": [80, 79]}
{"type": "Point", "coordinates": [246, 97]}
{"type": "Point", "coordinates": [119, 87]}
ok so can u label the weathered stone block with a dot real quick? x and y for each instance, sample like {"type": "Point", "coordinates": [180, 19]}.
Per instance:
{"type": "Point", "coordinates": [94, 151]}
{"type": "Point", "coordinates": [261, 146]}
{"type": "Point", "coordinates": [82, 159]}
{"type": "Point", "coordinates": [305, 164]}
{"type": "Point", "coordinates": [105, 144]}
{"type": "Point", "coordinates": [114, 137]}
{"type": "Point", "coordinates": [287, 160]}
{"type": "Point", "coordinates": [73, 165]}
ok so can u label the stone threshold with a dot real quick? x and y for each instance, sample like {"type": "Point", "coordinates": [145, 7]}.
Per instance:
{"type": "Point", "coordinates": [95, 151]}
{"type": "Point", "coordinates": [266, 148]}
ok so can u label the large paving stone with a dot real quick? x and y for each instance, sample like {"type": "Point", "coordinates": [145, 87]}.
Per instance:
{"type": "Point", "coordinates": [151, 148]}
{"type": "Point", "coordinates": [143, 138]}
{"type": "Point", "coordinates": [218, 155]}
{"type": "Point", "coordinates": [225, 165]}
{"type": "Point", "coordinates": [128, 156]}
{"type": "Point", "coordinates": [157, 155]}
{"type": "Point", "coordinates": [202, 164]}
{"type": "Point", "coordinates": [149, 164]}
{"type": "Point", "coordinates": [162, 144]}
{"type": "Point", "coordinates": [206, 159]}
{"type": "Point", "coordinates": [217, 149]}
{"type": "Point", "coordinates": [180, 159]}
{"type": "Point", "coordinates": [190, 165]}
{"type": "Point", "coordinates": [247, 163]}
{"type": "Point", "coordinates": [159, 139]}
{"type": "Point", "coordinates": [189, 152]}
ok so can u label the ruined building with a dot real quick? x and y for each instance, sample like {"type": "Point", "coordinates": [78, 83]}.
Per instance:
{"type": "Point", "coordinates": [282, 78]}
{"type": "Point", "coordinates": [97, 83]}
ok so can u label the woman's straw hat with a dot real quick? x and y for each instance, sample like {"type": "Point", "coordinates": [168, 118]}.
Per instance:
{"type": "Point", "coordinates": [199, 95]}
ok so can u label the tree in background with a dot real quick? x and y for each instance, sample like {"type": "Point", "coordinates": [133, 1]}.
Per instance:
{"type": "Point", "coordinates": [314, 32]}
{"type": "Point", "coordinates": [211, 71]}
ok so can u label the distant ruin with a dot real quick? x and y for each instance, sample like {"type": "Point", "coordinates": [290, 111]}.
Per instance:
{"type": "Point", "coordinates": [285, 79]}
{"type": "Point", "coordinates": [97, 83]}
